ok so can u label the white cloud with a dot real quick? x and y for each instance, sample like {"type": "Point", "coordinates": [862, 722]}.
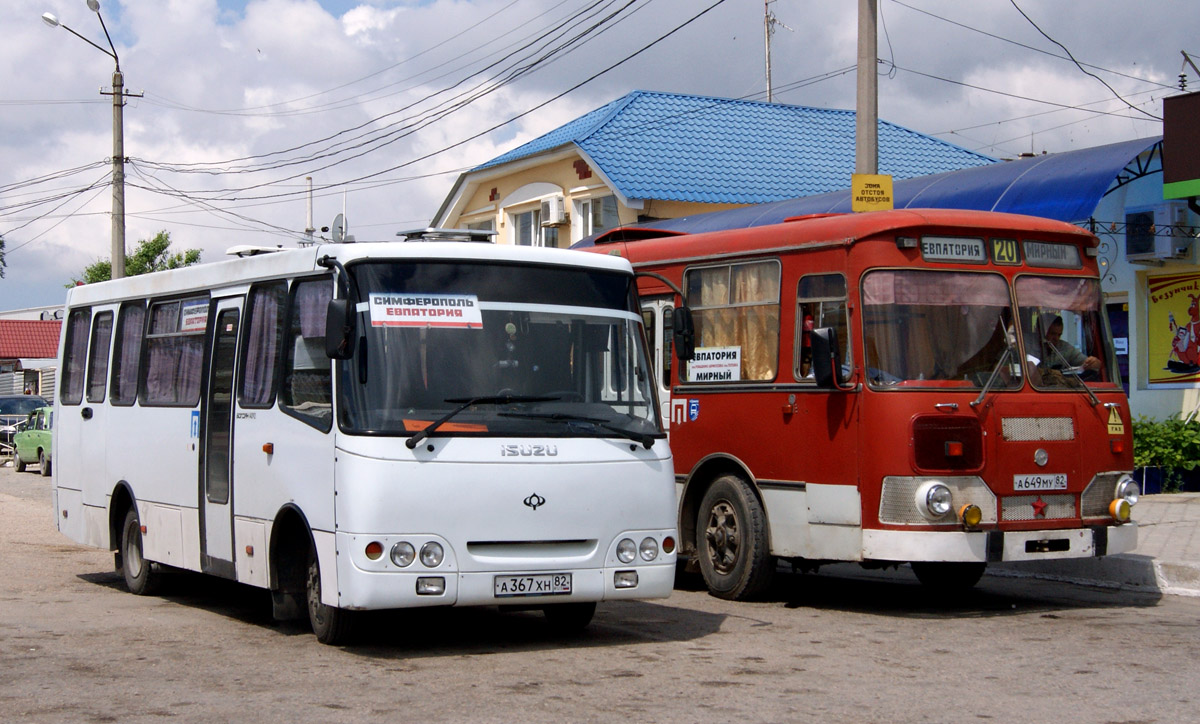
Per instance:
{"type": "Point", "coordinates": [230, 79]}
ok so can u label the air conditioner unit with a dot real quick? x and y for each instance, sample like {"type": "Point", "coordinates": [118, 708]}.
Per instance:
{"type": "Point", "coordinates": [553, 211]}
{"type": "Point", "coordinates": [1159, 233]}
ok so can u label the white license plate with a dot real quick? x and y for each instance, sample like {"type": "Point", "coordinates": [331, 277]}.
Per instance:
{"type": "Point", "coordinates": [543, 584]}
{"type": "Point", "coordinates": [1055, 481]}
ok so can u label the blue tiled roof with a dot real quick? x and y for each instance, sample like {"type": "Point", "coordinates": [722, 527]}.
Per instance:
{"type": "Point", "coordinates": [675, 147]}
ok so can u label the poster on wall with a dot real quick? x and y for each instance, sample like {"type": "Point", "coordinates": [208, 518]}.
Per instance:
{"type": "Point", "coordinates": [1174, 329]}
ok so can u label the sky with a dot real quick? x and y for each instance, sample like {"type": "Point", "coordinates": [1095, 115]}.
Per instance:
{"type": "Point", "coordinates": [384, 102]}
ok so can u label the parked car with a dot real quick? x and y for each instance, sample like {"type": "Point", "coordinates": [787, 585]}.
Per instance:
{"type": "Point", "coordinates": [33, 441]}
{"type": "Point", "coordinates": [14, 411]}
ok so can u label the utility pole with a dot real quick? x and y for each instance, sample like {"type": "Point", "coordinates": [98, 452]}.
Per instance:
{"type": "Point", "coordinates": [767, 43]}
{"type": "Point", "coordinates": [118, 174]}
{"type": "Point", "coordinates": [866, 130]}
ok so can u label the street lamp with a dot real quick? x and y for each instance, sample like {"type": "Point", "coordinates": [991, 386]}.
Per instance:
{"type": "Point", "coordinates": [118, 157]}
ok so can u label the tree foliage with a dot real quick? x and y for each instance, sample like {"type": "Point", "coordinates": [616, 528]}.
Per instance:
{"type": "Point", "coordinates": [151, 255]}
{"type": "Point", "coordinates": [3, 263]}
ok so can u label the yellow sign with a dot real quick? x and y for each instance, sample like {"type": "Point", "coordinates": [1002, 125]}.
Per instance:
{"type": "Point", "coordinates": [1173, 348]}
{"type": "Point", "coordinates": [870, 192]}
{"type": "Point", "coordinates": [1115, 426]}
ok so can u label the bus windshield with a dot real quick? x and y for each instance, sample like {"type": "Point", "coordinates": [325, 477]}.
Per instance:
{"type": "Point", "coordinates": [545, 351]}
{"type": "Point", "coordinates": [1066, 340]}
{"type": "Point", "coordinates": [938, 329]}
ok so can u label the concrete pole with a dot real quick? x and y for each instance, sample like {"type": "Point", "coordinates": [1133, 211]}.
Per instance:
{"type": "Point", "coordinates": [767, 43]}
{"type": "Point", "coordinates": [866, 130]}
{"type": "Point", "coordinates": [118, 178]}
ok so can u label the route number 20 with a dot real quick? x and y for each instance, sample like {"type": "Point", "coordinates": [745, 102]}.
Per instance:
{"type": "Point", "coordinates": [1004, 251]}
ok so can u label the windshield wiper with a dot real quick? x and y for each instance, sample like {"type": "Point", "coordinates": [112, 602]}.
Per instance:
{"type": "Point", "coordinates": [646, 441]}
{"type": "Point", "coordinates": [466, 402]}
{"type": "Point", "coordinates": [1069, 374]}
{"type": "Point", "coordinates": [987, 386]}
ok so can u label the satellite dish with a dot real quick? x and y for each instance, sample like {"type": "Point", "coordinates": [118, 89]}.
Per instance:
{"type": "Point", "coordinates": [339, 229]}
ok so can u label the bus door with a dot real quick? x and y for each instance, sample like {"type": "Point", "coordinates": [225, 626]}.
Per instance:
{"type": "Point", "coordinates": [216, 412]}
{"type": "Point", "coordinates": [93, 440]}
{"type": "Point", "coordinates": [656, 316]}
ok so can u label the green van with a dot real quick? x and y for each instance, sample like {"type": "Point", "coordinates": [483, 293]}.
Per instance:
{"type": "Point", "coordinates": [33, 440]}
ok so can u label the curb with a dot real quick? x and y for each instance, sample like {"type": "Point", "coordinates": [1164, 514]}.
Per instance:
{"type": "Point", "coordinates": [1126, 571]}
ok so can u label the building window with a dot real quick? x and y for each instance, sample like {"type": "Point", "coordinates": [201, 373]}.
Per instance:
{"type": "Point", "coordinates": [598, 214]}
{"type": "Point", "coordinates": [528, 230]}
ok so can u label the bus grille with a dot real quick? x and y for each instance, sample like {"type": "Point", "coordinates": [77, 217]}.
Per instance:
{"type": "Point", "coordinates": [897, 504]}
{"type": "Point", "coordinates": [1037, 507]}
{"type": "Point", "coordinates": [1099, 494]}
{"type": "Point", "coordinates": [1033, 429]}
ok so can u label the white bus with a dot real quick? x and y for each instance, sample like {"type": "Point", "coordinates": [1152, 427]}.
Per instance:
{"type": "Point", "coordinates": [372, 426]}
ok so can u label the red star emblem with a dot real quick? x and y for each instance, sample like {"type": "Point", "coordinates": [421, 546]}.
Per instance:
{"type": "Point", "coordinates": [1039, 507]}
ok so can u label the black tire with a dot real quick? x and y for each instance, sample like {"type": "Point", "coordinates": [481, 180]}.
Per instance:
{"type": "Point", "coordinates": [141, 576]}
{"type": "Point", "coordinates": [948, 576]}
{"type": "Point", "coordinates": [332, 625]}
{"type": "Point", "coordinates": [43, 463]}
{"type": "Point", "coordinates": [570, 617]}
{"type": "Point", "coordinates": [732, 542]}
{"type": "Point", "coordinates": [18, 463]}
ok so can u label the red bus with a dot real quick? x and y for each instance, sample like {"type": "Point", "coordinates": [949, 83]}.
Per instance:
{"type": "Point", "coordinates": [933, 387]}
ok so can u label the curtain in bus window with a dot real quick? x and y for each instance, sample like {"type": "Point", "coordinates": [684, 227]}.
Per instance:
{"type": "Point", "coordinates": [75, 357]}
{"type": "Point", "coordinates": [739, 307]}
{"type": "Point", "coordinates": [173, 358]}
{"type": "Point", "coordinates": [932, 325]}
{"type": "Point", "coordinates": [98, 364]}
{"type": "Point", "coordinates": [127, 354]}
{"type": "Point", "coordinates": [307, 388]}
{"type": "Point", "coordinates": [1078, 295]}
{"type": "Point", "coordinates": [262, 345]}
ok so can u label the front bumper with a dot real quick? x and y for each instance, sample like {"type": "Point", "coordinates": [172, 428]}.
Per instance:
{"type": "Point", "coordinates": [998, 546]}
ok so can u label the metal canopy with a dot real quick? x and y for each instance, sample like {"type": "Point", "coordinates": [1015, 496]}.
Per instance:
{"type": "Point", "coordinates": [1063, 186]}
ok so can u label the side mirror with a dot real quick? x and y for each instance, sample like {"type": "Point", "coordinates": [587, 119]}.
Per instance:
{"type": "Point", "coordinates": [340, 329]}
{"type": "Point", "coordinates": [685, 333]}
{"type": "Point", "coordinates": [827, 359]}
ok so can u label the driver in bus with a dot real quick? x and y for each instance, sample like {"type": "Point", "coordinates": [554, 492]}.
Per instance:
{"type": "Point", "coordinates": [1060, 354]}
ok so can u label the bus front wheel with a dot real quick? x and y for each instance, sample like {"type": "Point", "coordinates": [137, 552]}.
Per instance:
{"type": "Point", "coordinates": [732, 542]}
{"type": "Point", "coordinates": [941, 576]}
{"type": "Point", "coordinates": [331, 624]}
{"type": "Point", "coordinates": [140, 576]}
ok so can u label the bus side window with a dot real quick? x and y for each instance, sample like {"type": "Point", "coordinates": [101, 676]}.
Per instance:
{"type": "Point", "coordinates": [97, 376]}
{"type": "Point", "coordinates": [820, 302]}
{"type": "Point", "coordinates": [174, 352]}
{"type": "Point", "coordinates": [261, 350]}
{"type": "Point", "coordinates": [736, 306]}
{"type": "Point", "coordinates": [127, 353]}
{"type": "Point", "coordinates": [74, 357]}
{"type": "Point", "coordinates": [307, 391]}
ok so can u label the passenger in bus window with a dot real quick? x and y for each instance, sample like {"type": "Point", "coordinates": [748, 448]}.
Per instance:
{"type": "Point", "coordinates": [1061, 354]}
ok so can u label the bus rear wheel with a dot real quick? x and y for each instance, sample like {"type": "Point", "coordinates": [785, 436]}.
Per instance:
{"type": "Point", "coordinates": [331, 624]}
{"type": "Point", "coordinates": [732, 542]}
{"type": "Point", "coordinates": [942, 576]}
{"type": "Point", "coordinates": [141, 578]}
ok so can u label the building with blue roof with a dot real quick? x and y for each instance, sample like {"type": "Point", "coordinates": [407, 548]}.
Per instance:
{"type": "Point", "coordinates": [653, 155]}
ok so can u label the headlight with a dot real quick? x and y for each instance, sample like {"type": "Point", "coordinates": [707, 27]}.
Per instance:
{"type": "Point", "coordinates": [934, 500]}
{"type": "Point", "coordinates": [432, 554]}
{"type": "Point", "coordinates": [648, 550]}
{"type": "Point", "coordinates": [1128, 490]}
{"type": "Point", "coordinates": [626, 550]}
{"type": "Point", "coordinates": [403, 554]}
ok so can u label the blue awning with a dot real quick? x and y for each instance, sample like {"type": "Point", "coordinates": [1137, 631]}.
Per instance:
{"type": "Point", "coordinates": [1064, 186]}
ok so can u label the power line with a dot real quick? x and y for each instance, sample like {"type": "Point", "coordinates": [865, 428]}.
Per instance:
{"type": "Point", "coordinates": [1076, 62]}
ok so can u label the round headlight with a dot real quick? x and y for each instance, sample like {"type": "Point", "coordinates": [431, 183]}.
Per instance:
{"type": "Point", "coordinates": [648, 550]}
{"type": "Point", "coordinates": [403, 554]}
{"type": "Point", "coordinates": [432, 554]}
{"type": "Point", "coordinates": [934, 500]}
{"type": "Point", "coordinates": [1128, 490]}
{"type": "Point", "coordinates": [626, 550]}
